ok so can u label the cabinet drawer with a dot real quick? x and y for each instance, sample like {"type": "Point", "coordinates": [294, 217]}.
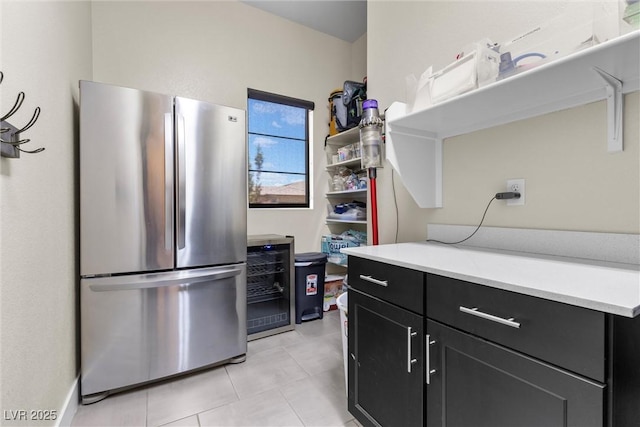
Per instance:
{"type": "Point", "coordinates": [398, 285]}
{"type": "Point", "coordinates": [564, 335]}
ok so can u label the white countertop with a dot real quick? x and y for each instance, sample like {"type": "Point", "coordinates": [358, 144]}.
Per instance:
{"type": "Point", "coordinates": [609, 287]}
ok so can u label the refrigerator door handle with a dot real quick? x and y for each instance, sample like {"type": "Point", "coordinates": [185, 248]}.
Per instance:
{"type": "Point", "coordinates": [168, 178]}
{"type": "Point", "coordinates": [182, 179]}
{"type": "Point", "coordinates": [153, 281]}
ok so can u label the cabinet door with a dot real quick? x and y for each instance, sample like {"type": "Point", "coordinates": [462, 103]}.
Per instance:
{"type": "Point", "coordinates": [386, 376]}
{"type": "Point", "coordinates": [473, 382]}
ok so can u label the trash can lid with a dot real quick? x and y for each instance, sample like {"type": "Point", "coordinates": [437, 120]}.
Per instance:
{"type": "Point", "coordinates": [311, 257]}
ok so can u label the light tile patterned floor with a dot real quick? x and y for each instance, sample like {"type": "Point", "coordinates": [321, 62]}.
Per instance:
{"type": "Point", "coordinates": [290, 379]}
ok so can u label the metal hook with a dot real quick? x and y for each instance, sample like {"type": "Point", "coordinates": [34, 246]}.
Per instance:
{"type": "Point", "coordinates": [15, 108]}
{"type": "Point", "coordinates": [32, 122]}
{"type": "Point", "coordinates": [7, 127]}
{"type": "Point", "coordinates": [15, 143]}
{"type": "Point", "coordinates": [37, 150]}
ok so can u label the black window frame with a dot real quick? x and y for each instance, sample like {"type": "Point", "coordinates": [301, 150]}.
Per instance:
{"type": "Point", "coordinates": [291, 102]}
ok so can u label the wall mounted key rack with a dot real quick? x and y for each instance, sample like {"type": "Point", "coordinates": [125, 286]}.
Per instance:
{"type": "Point", "coordinates": [10, 142]}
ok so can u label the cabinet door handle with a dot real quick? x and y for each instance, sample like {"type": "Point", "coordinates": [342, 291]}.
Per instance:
{"type": "Point", "coordinates": [410, 361]}
{"type": "Point", "coordinates": [427, 360]}
{"type": "Point", "coordinates": [474, 312]}
{"type": "Point", "coordinates": [376, 281]}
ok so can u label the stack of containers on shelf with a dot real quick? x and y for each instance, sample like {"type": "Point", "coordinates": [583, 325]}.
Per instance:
{"type": "Point", "coordinates": [347, 196]}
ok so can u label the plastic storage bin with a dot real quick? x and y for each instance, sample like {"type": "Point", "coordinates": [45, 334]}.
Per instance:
{"type": "Point", "coordinates": [310, 267]}
{"type": "Point", "coordinates": [342, 302]}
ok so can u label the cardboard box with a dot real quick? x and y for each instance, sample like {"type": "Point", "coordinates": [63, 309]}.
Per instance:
{"type": "Point", "coordinates": [332, 290]}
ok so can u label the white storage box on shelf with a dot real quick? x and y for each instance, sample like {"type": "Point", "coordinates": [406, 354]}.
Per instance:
{"type": "Point", "coordinates": [477, 66]}
{"type": "Point", "coordinates": [572, 31]}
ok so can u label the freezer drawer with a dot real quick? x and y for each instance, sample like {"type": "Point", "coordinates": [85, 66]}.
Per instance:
{"type": "Point", "coordinates": [140, 328]}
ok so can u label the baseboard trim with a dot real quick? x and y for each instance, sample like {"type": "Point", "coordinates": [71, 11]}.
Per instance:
{"type": "Point", "coordinates": [70, 405]}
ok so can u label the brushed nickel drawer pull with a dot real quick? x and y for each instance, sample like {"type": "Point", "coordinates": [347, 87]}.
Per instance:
{"type": "Point", "coordinates": [427, 370]}
{"type": "Point", "coordinates": [474, 312]}
{"type": "Point", "coordinates": [376, 281]}
{"type": "Point", "coordinates": [410, 361]}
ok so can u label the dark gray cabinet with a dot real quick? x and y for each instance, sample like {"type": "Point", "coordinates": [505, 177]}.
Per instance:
{"type": "Point", "coordinates": [386, 344]}
{"type": "Point", "coordinates": [425, 349]}
{"type": "Point", "coordinates": [477, 383]}
{"type": "Point", "coordinates": [498, 358]}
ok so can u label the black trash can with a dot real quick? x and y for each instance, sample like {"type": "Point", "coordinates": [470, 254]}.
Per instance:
{"type": "Point", "coordinates": [310, 267]}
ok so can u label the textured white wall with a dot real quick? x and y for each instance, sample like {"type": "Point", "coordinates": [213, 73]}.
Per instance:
{"type": "Point", "coordinates": [572, 182]}
{"type": "Point", "coordinates": [46, 49]}
{"type": "Point", "coordinates": [214, 51]}
{"type": "Point", "coordinates": [359, 59]}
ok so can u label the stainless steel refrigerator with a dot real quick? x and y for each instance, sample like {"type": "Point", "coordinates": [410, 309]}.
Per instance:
{"type": "Point", "coordinates": [162, 236]}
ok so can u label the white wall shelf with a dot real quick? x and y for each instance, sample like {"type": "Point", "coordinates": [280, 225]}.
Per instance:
{"type": "Point", "coordinates": [351, 163]}
{"type": "Point", "coordinates": [348, 193]}
{"type": "Point", "coordinates": [344, 138]}
{"type": "Point", "coordinates": [344, 221]}
{"type": "Point", "coordinates": [605, 71]}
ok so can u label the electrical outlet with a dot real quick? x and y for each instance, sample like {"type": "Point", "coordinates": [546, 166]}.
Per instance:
{"type": "Point", "coordinates": [516, 185]}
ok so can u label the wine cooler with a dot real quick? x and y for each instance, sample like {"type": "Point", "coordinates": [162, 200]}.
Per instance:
{"type": "Point", "coordinates": [270, 285]}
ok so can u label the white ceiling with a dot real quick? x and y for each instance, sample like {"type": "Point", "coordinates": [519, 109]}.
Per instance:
{"type": "Point", "coordinates": [344, 19]}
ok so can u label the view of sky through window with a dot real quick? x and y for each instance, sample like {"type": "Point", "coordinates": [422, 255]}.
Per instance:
{"type": "Point", "coordinates": [279, 132]}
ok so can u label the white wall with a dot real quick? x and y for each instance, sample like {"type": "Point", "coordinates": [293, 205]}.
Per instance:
{"type": "Point", "coordinates": [46, 49]}
{"type": "Point", "coordinates": [214, 51]}
{"type": "Point", "coordinates": [358, 59]}
{"type": "Point", "coordinates": [572, 182]}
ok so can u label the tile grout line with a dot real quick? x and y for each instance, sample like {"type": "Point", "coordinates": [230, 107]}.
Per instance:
{"type": "Point", "coordinates": [232, 383]}
{"type": "Point", "coordinates": [291, 406]}
{"type": "Point", "coordinates": [197, 414]}
{"type": "Point", "coordinates": [146, 412]}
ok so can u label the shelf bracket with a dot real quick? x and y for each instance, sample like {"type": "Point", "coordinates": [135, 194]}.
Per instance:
{"type": "Point", "coordinates": [614, 111]}
{"type": "Point", "coordinates": [416, 155]}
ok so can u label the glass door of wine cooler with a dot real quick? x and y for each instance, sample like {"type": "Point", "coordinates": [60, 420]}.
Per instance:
{"type": "Point", "coordinates": [270, 287]}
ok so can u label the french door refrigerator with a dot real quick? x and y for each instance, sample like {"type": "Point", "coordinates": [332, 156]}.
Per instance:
{"type": "Point", "coordinates": [162, 236]}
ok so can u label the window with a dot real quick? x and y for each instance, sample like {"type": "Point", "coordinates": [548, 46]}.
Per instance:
{"type": "Point", "coordinates": [278, 150]}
